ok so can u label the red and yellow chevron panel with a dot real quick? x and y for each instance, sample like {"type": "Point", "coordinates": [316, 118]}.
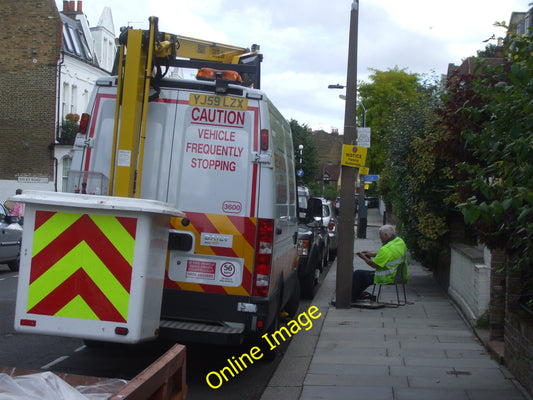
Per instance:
{"type": "Point", "coordinates": [243, 230]}
{"type": "Point", "coordinates": [81, 266]}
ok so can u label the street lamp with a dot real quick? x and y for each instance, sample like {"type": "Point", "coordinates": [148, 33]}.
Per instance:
{"type": "Point", "coordinates": [300, 171]}
{"type": "Point", "coordinates": [364, 113]}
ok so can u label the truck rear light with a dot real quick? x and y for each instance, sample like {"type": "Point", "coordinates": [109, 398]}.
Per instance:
{"type": "Point", "coordinates": [28, 322]}
{"type": "Point", "coordinates": [303, 247]}
{"type": "Point", "coordinates": [264, 139]}
{"type": "Point", "coordinates": [263, 257]}
{"type": "Point", "coordinates": [331, 225]}
{"type": "Point", "coordinates": [84, 123]}
{"type": "Point", "coordinates": [120, 330]}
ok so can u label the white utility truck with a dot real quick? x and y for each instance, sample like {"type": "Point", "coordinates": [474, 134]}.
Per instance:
{"type": "Point", "coordinates": [214, 147]}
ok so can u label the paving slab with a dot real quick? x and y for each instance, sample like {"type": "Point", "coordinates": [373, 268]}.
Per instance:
{"type": "Point", "coordinates": [424, 350]}
{"type": "Point", "coordinates": [431, 394]}
{"type": "Point", "coordinates": [355, 380]}
{"type": "Point", "coordinates": [346, 392]}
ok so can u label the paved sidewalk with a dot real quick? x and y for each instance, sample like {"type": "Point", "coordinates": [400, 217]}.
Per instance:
{"type": "Point", "coordinates": [424, 350]}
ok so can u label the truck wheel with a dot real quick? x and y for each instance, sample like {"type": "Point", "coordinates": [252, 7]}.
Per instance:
{"type": "Point", "coordinates": [291, 307]}
{"type": "Point", "coordinates": [270, 355]}
{"type": "Point", "coordinates": [308, 286]}
{"type": "Point", "coordinates": [332, 254]}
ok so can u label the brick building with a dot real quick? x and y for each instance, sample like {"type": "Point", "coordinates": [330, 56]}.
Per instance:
{"type": "Point", "coordinates": [30, 35]}
{"type": "Point", "coordinates": [49, 61]}
{"type": "Point", "coordinates": [329, 157]}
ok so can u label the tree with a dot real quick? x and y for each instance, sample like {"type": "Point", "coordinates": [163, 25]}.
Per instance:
{"type": "Point", "coordinates": [401, 113]}
{"type": "Point", "coordinates": [417, 181]}
{"type": "Point", "coordinates": [387, 91]}
{"type": "Point", "coordinates": [302, 136]}
{"type": "Point", "coordinates": [498, 186]}
{"type": "Point", "coordinates": [488, 52]}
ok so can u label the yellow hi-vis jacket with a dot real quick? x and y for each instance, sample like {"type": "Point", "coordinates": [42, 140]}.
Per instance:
{"type": "Point", "coordinates": [389, 258]}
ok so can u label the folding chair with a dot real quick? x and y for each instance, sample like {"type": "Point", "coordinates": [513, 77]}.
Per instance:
{"type": "Point", "coordinates": [398, 279]}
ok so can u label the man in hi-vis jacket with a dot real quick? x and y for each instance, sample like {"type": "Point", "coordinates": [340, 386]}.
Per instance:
{"type": "Point", "coordinates": [385, 263]}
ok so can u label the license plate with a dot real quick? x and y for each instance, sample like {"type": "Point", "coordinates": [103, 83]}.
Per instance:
{"type": "Point", "coordinates": [232, 103]}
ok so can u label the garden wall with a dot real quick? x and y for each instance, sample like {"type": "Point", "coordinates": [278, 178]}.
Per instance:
{"type": "Point", "coordinates": [519, 347]}
{"type": "Point", "coordinates": [470, 279]}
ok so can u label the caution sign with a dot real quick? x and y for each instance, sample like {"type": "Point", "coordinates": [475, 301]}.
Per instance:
{"type": "Point", "coordinates": [353, 156]}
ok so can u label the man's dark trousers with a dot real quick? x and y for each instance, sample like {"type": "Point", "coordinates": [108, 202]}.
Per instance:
{"type": "Point", "coordinates": [361, 279]}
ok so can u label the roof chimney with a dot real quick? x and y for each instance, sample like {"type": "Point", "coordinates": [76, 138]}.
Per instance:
{"type": "Point", "coordinates": [70, 9]}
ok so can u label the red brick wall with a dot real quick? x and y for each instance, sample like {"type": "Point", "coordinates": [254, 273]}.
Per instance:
{"type": "Point", "coordinates": [30, 44]}
{"type": "Point", "coordinates": [519, 347]}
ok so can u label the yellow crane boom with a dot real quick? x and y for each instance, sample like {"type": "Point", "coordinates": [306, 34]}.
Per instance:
{"type": "Point", "coordinates": [140, 53]}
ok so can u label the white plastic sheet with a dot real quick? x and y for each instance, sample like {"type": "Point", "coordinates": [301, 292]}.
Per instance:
{"type": "Point", "coordinates": [47, 385]}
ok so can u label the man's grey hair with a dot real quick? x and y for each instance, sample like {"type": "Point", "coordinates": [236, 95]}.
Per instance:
{"type": "Point", "coordinates": [389, 230]}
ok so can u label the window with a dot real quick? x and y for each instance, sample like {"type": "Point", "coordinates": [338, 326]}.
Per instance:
{"type": "Point", "coordinates": [66, 95]}
{"type": "Point", "coordinates": [105, 50]}
{"type": "Point", "coordinates": [75, 43]}
{"type": "Point", "coordinates": [74, 100]}
{"type": "Point", "coordinates": [86, 49]}
{"type": "Point", "coordinates": [112, 51]}
{"type": "Point", "coordinates": [67, 41]}
{"type": "Point", "coordinates": [65, 163]}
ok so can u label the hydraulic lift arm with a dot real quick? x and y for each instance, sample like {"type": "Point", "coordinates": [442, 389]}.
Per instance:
{"type": "Point", "coordinates": [141, 57]}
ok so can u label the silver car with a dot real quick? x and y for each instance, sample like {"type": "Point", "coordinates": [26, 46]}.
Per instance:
{"type": "Point", "coordinates": [329, 221]}
{"type": "Point", "coordinates": [10, 239]}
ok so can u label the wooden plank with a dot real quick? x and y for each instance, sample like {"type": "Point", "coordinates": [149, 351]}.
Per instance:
{"type": "Point", "coordinates": [164, 379]}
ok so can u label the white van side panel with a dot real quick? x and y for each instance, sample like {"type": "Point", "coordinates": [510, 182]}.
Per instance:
{"type": "Point", "coordinates": [277, 192]}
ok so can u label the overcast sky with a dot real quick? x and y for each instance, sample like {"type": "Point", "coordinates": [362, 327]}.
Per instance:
{"type": "Point", "coordinates": [305, 43]}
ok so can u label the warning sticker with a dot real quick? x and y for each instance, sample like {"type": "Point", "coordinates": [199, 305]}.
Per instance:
{"type": "Point", "coordinates": [201, 269]}
{"type": "Point", "coordinates": [206, 270]}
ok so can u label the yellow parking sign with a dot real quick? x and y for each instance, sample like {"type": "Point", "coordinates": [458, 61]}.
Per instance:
{"type": "Point", "coordinates": [353, 156]}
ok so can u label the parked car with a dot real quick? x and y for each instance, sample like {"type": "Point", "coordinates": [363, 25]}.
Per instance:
{"type": "Point", "coordinates": [10, 239]}
{"type": "Point", "coordinates": [372, 202]}
{"type": "Point", "coordinates": [329, 222]}
{"type": "Point", "coordinates": [311, 244]}
{"type": "Point", "coordinates": [303, 197]}
{"type": "Point", "coordinates": [337, 204]}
